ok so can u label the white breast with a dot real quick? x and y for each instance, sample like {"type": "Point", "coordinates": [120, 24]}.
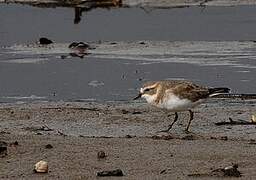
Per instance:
{"type": "Point", "coordinates": [174, 103]}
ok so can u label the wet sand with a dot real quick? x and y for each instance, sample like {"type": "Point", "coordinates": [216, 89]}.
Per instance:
{"type": "Point", "coordinates": [127, 133]}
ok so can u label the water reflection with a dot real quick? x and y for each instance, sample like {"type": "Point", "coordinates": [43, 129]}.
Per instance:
{"type": "Point", "coordinates": [106, 4]}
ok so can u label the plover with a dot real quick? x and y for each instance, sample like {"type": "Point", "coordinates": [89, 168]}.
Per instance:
{"type": "Point", "coordinates": [177, 95]}
{"type": "Point", "coordinates": [80, 45]}
{"type": "Point", "coordinates": [79, 49]}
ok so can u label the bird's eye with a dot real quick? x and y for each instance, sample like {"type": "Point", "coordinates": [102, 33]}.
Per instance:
{"type": "Point", "coordinates": [146, 90]}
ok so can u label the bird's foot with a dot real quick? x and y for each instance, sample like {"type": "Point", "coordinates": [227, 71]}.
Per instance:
{"type": "Point", "coordinates": [187, 131]}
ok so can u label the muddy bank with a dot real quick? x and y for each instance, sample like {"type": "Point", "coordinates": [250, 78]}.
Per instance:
{"type": "Point", "coordinates": [87, 4]}
{"type": "Point", "coordinates": [69, 135]}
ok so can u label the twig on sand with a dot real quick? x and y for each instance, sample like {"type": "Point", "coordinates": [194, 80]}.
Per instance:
{"type": "Point", "coordinates": [232, 122]}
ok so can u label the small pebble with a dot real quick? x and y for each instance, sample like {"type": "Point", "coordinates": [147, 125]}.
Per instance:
{"type": "Point", "coordinates": [101, 155]}
{"type": "Point", "coordinates": [48, 146]}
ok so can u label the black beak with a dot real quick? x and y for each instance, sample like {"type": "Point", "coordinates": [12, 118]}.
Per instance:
{"type": "Point", "coordinates": [137, 97]}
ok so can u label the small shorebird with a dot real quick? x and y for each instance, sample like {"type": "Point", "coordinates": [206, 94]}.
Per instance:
{"type": "Point", "coordinates": [177, 95]}
{"type": "Point", "coordinates": [79, 49]}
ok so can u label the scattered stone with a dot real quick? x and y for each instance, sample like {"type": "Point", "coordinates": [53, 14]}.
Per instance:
{"type": "Point", "coordinates": [101, 155]}
{"type": "Point", "coordinates": [141, 42]}
{"type": "Point", "coordinates": [3, 149]}
{"type": "Point", "coordinates": [45, 41]}
{"type": "Point", "coordinates": [117, 172]}
{"type": "Point", "coordinates": [48, 146]}
{"type": "Point", "coordinates": [41, 167]}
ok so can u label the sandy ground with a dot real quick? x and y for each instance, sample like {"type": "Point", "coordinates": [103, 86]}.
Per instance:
{"type": "Point", "coordinates": [127, 133]}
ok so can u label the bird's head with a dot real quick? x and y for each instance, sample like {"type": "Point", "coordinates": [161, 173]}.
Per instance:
{"type": "Point", "coordinates": [148, 91]}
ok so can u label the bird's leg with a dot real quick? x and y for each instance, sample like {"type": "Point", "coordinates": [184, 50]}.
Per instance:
{"type": "Point", "coordinates": [189, 122]}
{"type": "Point", "coordinates": [170, 126]}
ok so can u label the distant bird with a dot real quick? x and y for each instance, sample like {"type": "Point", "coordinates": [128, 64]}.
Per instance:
{"type": "Point", "coordinates": [81, 45]}
{"type": "Point", "coordinates": [79, 49]}
{"type": "Point", "coordinates": [45, 41]}
{"type": "Point", "coordinates": [177, 95]}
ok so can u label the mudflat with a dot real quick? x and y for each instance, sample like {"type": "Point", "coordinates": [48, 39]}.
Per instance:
{"type": "Point", "coordinates": [69, 135]}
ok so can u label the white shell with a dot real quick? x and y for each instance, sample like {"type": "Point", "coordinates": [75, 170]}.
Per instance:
{"type": "Point", "coordinates": [254, 118]}
{"type": "Point", "coordinates": [41, 167]}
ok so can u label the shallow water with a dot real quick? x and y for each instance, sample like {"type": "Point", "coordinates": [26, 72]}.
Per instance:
{"type": "Point", "coordinates": [25, 24]}
{"type": "Point", "coordinates": [114, 71]}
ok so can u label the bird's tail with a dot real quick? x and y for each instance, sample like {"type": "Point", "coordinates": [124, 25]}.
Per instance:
{"type": "Point", "coordinates": [223, 92]}
{"type": "Point", "coordinates": [218, 91]}
{"type": "Point", "coordinates": [234, 96]}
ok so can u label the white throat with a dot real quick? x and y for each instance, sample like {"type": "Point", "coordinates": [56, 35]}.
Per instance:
{"type": "Point", "coordinates": [149, 98]}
